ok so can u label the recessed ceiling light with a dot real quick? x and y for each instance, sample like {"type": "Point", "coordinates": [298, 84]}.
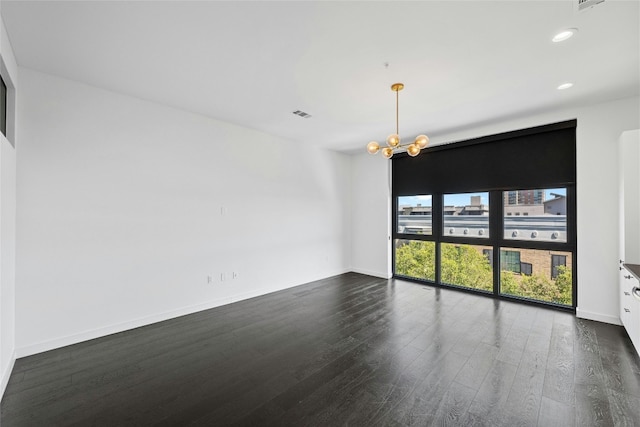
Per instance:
{"type": "Point", "coordinates": [564, 35]}
{"type": "Point", "coordinates": [564, 86]}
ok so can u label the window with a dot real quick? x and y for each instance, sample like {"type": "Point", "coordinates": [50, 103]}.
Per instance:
{"type": "Point", "coordinates": [510, 261]}
{"type": "Point", "coordinates": [415, 259]}
{"type": "Point", "coordinates": [546, 215]}
{"type": "Point", "coordinates": [492, 213]}
{"type": "Point", "coordinates": [414, 255]}
{"type": "Point", "coordinates": [466, 215]}
{"type": "Point", "coordinates": [557, 262]}
{"type": "Point", "coordinates": [3, 107]}
{"type": "Point", "coordinates": [466, 266]}
{"type": "Point", "coordinates": [536, 269]}
{"type": "Point", "coordinates": [414, 214]}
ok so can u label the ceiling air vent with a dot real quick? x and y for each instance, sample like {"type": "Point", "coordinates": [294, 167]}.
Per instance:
{"type": "Point", "coordinates": [586, 4]}
{"type": "Point", "coordinates": [302, 114]}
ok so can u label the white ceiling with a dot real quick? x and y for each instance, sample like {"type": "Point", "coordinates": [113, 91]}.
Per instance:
{"type": "Point", "coordinates": [254, 63]}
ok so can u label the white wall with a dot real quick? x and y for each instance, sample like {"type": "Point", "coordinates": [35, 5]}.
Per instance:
{"type": "Point", "coordinates": [9, 72]}
{"type": "Point", "coordinates": [371, 215]}
{"type": "Point", "coordinates": [125, 207]}
{"type": "Point", "coordinates": [629, 197]}
{"type": "Point", "coordinates": [597, 134]}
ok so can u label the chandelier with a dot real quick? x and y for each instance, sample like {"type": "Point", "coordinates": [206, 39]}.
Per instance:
{"type": "Point", "coordinates": [393, 141]}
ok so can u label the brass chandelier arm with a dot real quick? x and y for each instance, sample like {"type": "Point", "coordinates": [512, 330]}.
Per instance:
{"type": "Point", "coordinates": [404, 145]}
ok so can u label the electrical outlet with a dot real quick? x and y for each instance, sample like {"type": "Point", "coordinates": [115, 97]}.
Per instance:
{"type": "Point", "coordinates": [222, 277]}
{"type": "Point", "coordinates": [235, 274]}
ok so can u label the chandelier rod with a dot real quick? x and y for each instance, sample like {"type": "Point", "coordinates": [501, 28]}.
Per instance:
{"type": "Point", "coordinates": [397, 107]}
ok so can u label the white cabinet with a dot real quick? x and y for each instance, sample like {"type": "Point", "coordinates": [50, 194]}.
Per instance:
{"type": "Point", "coordinates": [630, 304]}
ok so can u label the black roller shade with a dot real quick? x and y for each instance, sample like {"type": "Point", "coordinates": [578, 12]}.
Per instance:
{"type": "Point", "coordinates": [539, 157]}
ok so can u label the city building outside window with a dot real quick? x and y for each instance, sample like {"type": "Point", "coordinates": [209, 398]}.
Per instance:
{"type": "Point", "coordinates": [414, 214]}
{"type": "Point", "coordinates": [557, 261]}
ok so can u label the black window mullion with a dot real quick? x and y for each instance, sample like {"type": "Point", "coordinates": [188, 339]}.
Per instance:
{"type": "Point", "coordinates": [528, 244]}
{"type": "Point", "coordinates": [394, 232]}
{"type": "Point", "coordinates": [572, 231]}
{"type": "Point", "coordinates": [437, 222]}
{"type": "Point", "coordinates": [495, 232]}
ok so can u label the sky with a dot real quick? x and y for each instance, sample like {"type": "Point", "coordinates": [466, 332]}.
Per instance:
{"type": "Point", "coordinates": [464, 198]}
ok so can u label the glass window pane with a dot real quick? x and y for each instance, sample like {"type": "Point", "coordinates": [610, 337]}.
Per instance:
{"type": "Point", "coordinates": [466, 215]}
{"type": "Point", "coordinates": [542, 275]}
{"type": "Point", "coordinates": [415, 259]}
{"type": "Point", "coordinates": [467, 265]}
{"type": "Point", "coordinates": [510, 261]}
{"type": "Point", "coordinates": [536, 215]}
{"type": "Point", "coordinates": [557, 261]}
{"type": "Point", "coordinates": [414, 214]}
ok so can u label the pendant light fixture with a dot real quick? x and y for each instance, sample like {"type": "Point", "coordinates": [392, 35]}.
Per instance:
{"type": "Point", "coordinates": [393, 140]}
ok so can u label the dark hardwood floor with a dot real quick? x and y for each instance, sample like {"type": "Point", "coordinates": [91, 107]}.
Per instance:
{"type": "Point", "coordinates": [347, 350]}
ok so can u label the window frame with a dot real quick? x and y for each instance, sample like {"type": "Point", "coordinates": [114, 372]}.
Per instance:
{"type": "Point", "coordinates": [495, 240]}
{"type": "Point", "coordinates": [406, 181]}
{"type": "Point", "coordinates": [458, 246]}
{"type": "Point", "coordinates": [396, 221]}
{"type": "Point", "coordinates": [472, 237]}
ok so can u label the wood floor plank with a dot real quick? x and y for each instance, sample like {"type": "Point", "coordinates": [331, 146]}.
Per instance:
{"type": "Point", "coordinates": [559, 376]}
{"type": "Point", "coordinates": [478, 365]}
{"type": "Point", "coordinates": [454, 405]}
{"type": "Point", "coordinates": [556, 414]}
{"type": "Point", "coordinates": [489, 406]}
{"type": "Point", "coordinates": [420, 406]}
{"type": "Point", "coordinates": [592, 405]}
{"type": "Point", "coordinates": [625, 409]}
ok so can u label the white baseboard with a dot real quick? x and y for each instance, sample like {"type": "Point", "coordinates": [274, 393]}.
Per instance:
{"type": "Point", "coordinates": [265, 291]}
{"type": "Point", "coordinates": [6, 374]}
{"type": "Point", "coordinates": [371, 273]}
{"type": "Point", "coordinates": [598, 317]}
{"type": "Point", "coordinates": [148, 320]}
{"type": "Point", "coordinates": [119, 327]}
